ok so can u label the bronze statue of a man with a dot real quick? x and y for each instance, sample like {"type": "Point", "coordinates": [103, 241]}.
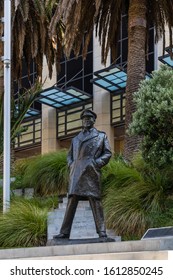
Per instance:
{"type": "Point", "coordinates": [89, 152]}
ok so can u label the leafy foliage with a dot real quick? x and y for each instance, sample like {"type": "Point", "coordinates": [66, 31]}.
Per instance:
{"type": "Point", "coordinates": [21, 165]}
{"type": "Point", "coordinates": [24, 225]}
{"type": "Point", "coordinates": [153, 118]}
{"type": "Point", "coordinates": [1, 198]}
{"type": "Point", "coordinates": [19, 108]}
{"type": "Point", "coordinates": [137, 197]}
{"type": "Point", "coordinates": [47, 174]}
{"type": "Point", "coordinates": [106, 17]}
{"type": "Point", "coordinates": [31, 39]}
{"type": "Point", "coordinates": [19, 169]}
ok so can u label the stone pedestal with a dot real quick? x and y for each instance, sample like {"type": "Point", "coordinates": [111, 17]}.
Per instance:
{"type": "Point", "coordinates": [83, 226]}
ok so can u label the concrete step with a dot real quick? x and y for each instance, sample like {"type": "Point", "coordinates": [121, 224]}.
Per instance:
{"type": "Point", "coordinates": [83, 224]}
{"type": "Point", "coordinates": [81, 205]}
{"type": "Point", "coordinates": [130, 250]}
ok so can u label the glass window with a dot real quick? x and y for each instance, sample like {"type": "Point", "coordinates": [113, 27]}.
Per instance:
{"type": "Point", "coordinates": [30, 135]}
{"type": "Point", "coordinates": [123, 46]}
{"type": "Point", "coordinates": [69, 122]}
{"type": "Point", "coordinates": [118, 109]}
{"type": "Point", "coordinates": [77, 72]}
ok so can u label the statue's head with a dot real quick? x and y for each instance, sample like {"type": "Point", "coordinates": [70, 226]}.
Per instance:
{"type": "Point", "coordinates": [88, 118]}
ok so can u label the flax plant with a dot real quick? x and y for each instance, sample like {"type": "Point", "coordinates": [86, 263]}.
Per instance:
{"type": "Point", "coordinates": [136, 196]}
{"type": "Point", "coordinates": [24, 225]}
{"type": "Point", "coordinates": [47, 174]}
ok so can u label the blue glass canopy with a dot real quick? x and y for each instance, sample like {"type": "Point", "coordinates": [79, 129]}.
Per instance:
{"type": "Point", "coordinates": [31, 112]}
{"type": "Point", "coordinates": [62, 98]}
{"type": "Point", "coordinates": [166, 59]}
{"type": "Point", "coordinates": [112, 78]}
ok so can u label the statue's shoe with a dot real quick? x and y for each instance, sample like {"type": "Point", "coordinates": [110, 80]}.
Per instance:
{"type": "Point", "coordinates": [61, 235]}
{"type": "Point", "coordinates": [102, 234]}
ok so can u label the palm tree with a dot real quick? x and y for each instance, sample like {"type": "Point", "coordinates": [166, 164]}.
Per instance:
{"type": "Point", "coordinates": [80, 17]}
{"type": "Point", "coordinates": [30, 39]}
{"type": "Point", "coordinates": [30, 36]}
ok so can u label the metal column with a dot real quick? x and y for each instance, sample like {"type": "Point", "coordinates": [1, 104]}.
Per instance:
{"type": "Point", "coordinates": [7, 104]}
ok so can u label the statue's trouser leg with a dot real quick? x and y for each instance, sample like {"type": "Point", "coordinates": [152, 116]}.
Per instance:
{"type": "Point", "coordinates": [97, 210]}
{"type": "Point", "coordinates": [69, 215]}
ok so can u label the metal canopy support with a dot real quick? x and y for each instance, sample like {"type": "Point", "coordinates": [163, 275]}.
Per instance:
{"type": "Point", "coordinates": [7, 104]}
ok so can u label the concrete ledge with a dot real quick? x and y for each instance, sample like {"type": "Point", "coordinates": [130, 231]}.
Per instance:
{"type": "Point", "coordinates": [149, 255]}
{"type": "Point", "coordinates": [89, 249]}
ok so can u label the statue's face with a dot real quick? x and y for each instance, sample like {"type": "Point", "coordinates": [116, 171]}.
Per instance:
{"type": "Point", "coordinates": [88, 122]}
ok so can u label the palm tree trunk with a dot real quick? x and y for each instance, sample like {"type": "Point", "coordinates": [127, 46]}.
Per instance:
{"type": "Point", "coordinates": [136, 60]}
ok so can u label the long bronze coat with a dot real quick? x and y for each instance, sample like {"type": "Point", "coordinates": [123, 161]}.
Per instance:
{"type": "Point", "coordinates": [87, 155]}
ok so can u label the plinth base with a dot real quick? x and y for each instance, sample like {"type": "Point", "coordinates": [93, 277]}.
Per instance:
{"type": "Point", "coordinates": [66, 241]}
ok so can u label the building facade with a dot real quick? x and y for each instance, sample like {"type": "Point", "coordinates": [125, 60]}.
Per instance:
{"type": "Point", "coordinates": [58, 120]}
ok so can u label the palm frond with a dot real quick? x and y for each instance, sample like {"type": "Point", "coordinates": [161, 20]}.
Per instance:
{"type": "Point", "coordinates": [106, 17]}
{"type": "Point", "coordinates": [24, 9]}
{"type": "Point", "coordinates": [104, 14]}
{"type": "Point", "coordinates": [31, 35]}
{"type": "Point", "coordinates": [1, 8]}
{"type": "Point", "coordinates": [19, 108]}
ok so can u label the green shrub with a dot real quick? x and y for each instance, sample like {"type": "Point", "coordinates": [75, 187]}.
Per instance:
{"type": "Point", "coordinates": [136, 197]}
{"type": "Point", "coordinates": [1, 199]}
{"type": "Point", "coordinates": [47, 174]}
{"type": "Point", "coordinates": [20, 166]}
{"type": "Point", "coordinates": [153, 117]}
{"type": "Point", "coordinates": [24, 225]}
{"type": "Point", "coordinates": [50, 202]}
{"type": "Point", "coordinates": [119, 174]}
{"type": "Point", "coordinates": [19, 169]}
